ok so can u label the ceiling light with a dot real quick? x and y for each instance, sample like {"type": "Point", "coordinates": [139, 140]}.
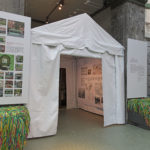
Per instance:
{"type": "Point", "coordinates": [61, 3]}
{"type": "Point", "coordinates": [46, 21]}
{"type": "Point", "coordinates": [60, 8]}
{"type": "Point", "coordinates": [58, 5]}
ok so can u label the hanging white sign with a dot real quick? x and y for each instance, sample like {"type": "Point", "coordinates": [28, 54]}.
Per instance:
{"type": "Point", "coordinates": [136, 69]}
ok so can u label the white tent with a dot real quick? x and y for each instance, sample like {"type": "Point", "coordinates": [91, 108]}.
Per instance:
{"type": "Point", "coordinates": [75, 36]}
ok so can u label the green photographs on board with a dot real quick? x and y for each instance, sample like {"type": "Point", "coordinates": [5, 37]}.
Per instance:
{"type": "Point", "coordinates": [6, 62]}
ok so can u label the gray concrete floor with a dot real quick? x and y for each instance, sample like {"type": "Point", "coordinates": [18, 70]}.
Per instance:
{"type": "Point", "coordinates": [80, 130]}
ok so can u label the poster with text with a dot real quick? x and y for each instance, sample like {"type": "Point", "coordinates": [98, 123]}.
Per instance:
{"type": "Point", "coordinates": [136, 69]}
{"type": "Point", "coordinates": [14, 58]}
{"type": "Point", "coordinates": [89, 83]}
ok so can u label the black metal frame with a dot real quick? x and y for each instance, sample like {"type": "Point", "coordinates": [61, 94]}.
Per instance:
{"type": "Point", "coordinates": [61, 2]}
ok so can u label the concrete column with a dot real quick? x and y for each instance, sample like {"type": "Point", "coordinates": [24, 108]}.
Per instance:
{"type": "Point", "coordinates": [104, 19]}
{"type": "Point", "coordinates": [13, 6]}
{"type": "Point", "coordinates": [128, 21]}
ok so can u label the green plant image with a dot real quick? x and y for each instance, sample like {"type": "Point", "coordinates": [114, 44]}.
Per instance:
{"type": "Point", "coordinates": [19, 59]}
{"type": "Point", "coordinates": [6, 62]}
{"type": "Point", "coordinates": [15, 28]}
{"type": "Point", "coordinates": [18, 92]}
{"type": "Point", "coordinates": [19, 67]}
{"type": "Point", "coordinates": [2, 39]}
{"type": "Point", "coordinates": [9, 91]}
{"type": "Point", "coordinates": [2, 21]}
{"type": "Point", "coordinates": [1, 75]}
{"type": "Point", "coordinates": [1, 92]}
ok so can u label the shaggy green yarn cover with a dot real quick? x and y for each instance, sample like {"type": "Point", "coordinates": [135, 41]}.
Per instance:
{"type": "Point", "coordinates": [141, 106]}
{"type": "Point", "coordinates": [14, 127]}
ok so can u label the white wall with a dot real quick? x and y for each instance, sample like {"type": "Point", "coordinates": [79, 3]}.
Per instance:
{"type": "Point", "coordinates": [69, 63]}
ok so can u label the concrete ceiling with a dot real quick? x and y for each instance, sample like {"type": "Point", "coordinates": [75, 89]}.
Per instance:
{"type": "Point", "coordinates": [38, 10]}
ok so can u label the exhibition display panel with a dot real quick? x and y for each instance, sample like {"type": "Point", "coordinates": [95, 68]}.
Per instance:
{"type": "Point", "coordinates": [90, 89]}
{"type": "Point", "coordinates": [15, 39]}
{"type": "Point", "coordinates": [136, 69]}
{"type": "Point", "coordinates": [138, 103]}
{"type": "Point", "coordinates": [14, 58]}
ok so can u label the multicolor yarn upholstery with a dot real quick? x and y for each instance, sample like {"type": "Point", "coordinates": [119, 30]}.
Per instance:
{"type": "Point", "coordinates": [14, 127]}
{"type": "Point", "coordinates": [141, 106]}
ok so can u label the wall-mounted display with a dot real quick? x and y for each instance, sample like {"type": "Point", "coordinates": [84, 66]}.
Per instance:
{"type": "Point", "coordinates": [6, 62]}
{"type": "Point", "coordinates": [1, 84]}
{"type": "Point", "coordinates": [2, 48]}
{"type": "Point", "coordinates": [19, 59]}
{"type": "Point", "coordinates": [18, 76]}
{"type": "Point", "coordinates": [1, 75]}
{"type": "Point", "coordinates": [14, 58]}
{"type": "Point", "coordinates": [9, 75]}
{"type": "Point", "coordinates": [81, 93]}
{"type": "Point", "coordinates": [1, 92]}
{"type": "Point", "coordinates": [84, 71]}
{"type": "Point", "coordinates": [2, 26]}
{"type": "Point", "coordinates": [18, 92]}
{"type": "Point", "coordinates": [8, 84]}
{"type": "Point", "coordinates": [97, 100]}
{"type": "Point", "coordinates": [18, 84]}
{"type": "Point", "coordinates": [15, 28]}
{"type": "Point", "coordinates": [136, 69]}
{"type": "Point", "coordinates": [19, 67]}
{"type": "Point", "coordinates": [90, 92]}
{"type": "Point", "coordinates": [97, 69]}
{"type": "Point", "coordinates": [89, 71]}
{"type": "Point", "coordinates": [9, 92]}
{"type": "Point", "coordinates": [2, 39]}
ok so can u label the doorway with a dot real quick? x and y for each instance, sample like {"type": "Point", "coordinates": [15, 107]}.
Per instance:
{"type": "Point", "coordinates": [82, 90]}
{"type": "Point", "coordinates": [81, 83]}
{"type": "Point", "coordinates": [62, 88]}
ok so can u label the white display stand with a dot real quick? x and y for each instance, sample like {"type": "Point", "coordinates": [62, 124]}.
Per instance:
{"type": "Point", "coordinates": [136, 69]}
{"type": "Point", "coordinates": [14, 58]}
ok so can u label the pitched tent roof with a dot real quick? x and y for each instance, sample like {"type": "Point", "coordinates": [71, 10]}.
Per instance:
{"type": "Point", "coordinates": [77, 32]}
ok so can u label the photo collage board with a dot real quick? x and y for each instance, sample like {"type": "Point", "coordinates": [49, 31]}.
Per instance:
{"type": "Point", "coordinates": [90, 90]}
{"type": "Point", "coordinates": [13, 52]}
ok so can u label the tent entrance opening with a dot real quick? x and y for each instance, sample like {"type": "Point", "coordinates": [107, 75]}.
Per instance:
{"type": "Point", "coordinates": [62, 88]}
{"type": "Point", "coordinates": [81, 83]}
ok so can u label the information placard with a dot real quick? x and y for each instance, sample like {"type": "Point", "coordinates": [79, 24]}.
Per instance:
{"type": "Point", "coordinates": [89, 85]}
{"type": "Point", "coordinates": [136, 69]}
{"type": "Point", "coordinates": [14, 58]}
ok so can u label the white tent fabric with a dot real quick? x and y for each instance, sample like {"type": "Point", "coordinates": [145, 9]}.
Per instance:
{"type": "Point", "coordinates": [76, 36]}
